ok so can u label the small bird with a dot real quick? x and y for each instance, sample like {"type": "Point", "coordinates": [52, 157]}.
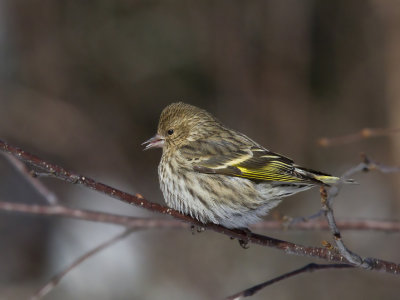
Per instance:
{"type": "Point", "coordinates": [219, 175]}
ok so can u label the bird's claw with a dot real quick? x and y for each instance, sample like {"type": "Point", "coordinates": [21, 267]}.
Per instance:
{"type": "Point", "coordinates": [197, 229]}
{"type": "Point", "coordinates": [244, 244]}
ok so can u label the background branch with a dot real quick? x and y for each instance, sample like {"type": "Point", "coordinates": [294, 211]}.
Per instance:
{"type": "Point", "coordinates": [49, 196]}
{"type": "Point", "coordinates": [365, 133]}
{"type": "Point", "coordinates": [366, 165]}
{"type": "Point", "coordinates": [129, 221]}
{"type": "Point", "coordinates": [308, 268]}
{"type": "Point", "coordinates": [57, 278]}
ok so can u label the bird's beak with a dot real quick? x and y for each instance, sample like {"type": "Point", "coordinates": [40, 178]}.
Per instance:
{"type": "Point", "coordinates": [156, 141]}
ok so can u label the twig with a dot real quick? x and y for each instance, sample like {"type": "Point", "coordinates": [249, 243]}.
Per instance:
{"type": "Point", "coordinates": [366, 165]}
{"type": "Point", "coordinates": [142, 223]}
{"type": "Point", "coordinates": [327, 199]}
{"type": "Point", "coordinates": [287, 247]}
{"type": "Point", "coordinates": [308, 268]}
{"type": "Point", "coordinates": [57, 278]}
{"type": "Point", "coordinates": [29, 176]}
{"type": "Point", "coordinates": [94, 216]}
{"type": "Point", "coordinates": [351, 138]}
{"type": "Point", "coordinates": [351, 257]}
{"type": "Point", "coordinates": [375, 225]}
{"type": "Point", "coordinates": [369, 164]}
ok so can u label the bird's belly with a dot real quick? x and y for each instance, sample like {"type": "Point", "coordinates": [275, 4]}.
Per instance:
{"type": "Point", "coordinates": [230, 201]}
{"type": "Point", "coordinates": [182, 193]}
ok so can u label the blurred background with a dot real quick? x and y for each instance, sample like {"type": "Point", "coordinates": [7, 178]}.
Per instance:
{"type": "Point", "coordinates": [82, 85]}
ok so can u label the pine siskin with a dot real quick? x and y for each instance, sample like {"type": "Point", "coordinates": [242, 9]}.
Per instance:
{"type": "Point", "coordinates": [216, 174]}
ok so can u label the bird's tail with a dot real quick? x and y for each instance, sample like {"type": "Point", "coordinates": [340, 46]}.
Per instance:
{"type": "Point", "coordinates": [326, 178]}
{"type": "Point", "coordinates": [329, 180]}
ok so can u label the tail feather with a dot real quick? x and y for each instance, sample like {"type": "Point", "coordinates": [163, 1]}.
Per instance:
{"type": "Point", "coordinates": [329, 180]}
{"type": "Point", "coordinates": [323, 177]}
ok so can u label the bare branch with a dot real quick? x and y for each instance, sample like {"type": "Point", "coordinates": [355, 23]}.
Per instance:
{"type": "Point", "coordinates": [366, 165]}
{"type": "Point", "coordinates": [287, 247]}
{"type": "Point", "coordinates": [327, 197]}
{"type": "Point", "coordinates": [351, 257]}
{"type": "Point", "coordinates": [308, 268]}
{"type": "Point", "coordinates": [149, 223]}
{"type": "Point", "coordinates": [29, 176]}
{"type": "Point", "coordinates": [372, 165]}
{"type": "Point", "coordinates": [365, 133]}
{"type": "Point", "coordinates": [57, 278]}
{"type": "Point", "coordinates": [376, 225]}
{"type": "Point", "coordinates": [63, 211]}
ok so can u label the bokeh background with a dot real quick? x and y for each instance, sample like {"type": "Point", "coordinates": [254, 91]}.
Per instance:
{"type": "Point", "coordinates": [82, 84]}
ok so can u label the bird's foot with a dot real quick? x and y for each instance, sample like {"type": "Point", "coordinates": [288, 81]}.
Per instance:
{"type": "Point", "coordinates": [197, 229]}
{"type": "Point", "coordinates": [245, 243]}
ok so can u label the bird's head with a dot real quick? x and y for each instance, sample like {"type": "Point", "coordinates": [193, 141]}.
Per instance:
{"type": "Point", "coordinates": [181, 124]}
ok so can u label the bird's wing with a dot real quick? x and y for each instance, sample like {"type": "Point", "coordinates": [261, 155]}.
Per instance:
{"type": "Point", "coordinates": [252, 162]}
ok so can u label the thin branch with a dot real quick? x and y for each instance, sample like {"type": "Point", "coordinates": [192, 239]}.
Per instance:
{"type": "Point", "coordinates": [29, 176]}
{"type": "Point", "coordinates": [149, 223]}
{"type": "Point", "coordinates": [366, 165]}
{"type": "Point", "coordinates": [94, 216]}
{"type": "Point", "coordinates": [287, 247]}
{"type": "Point", "coordinates": [350, 224]}
{"type": "Point", "coordinates": [365, 133]}
{"type": "Point", "coordinates": [57, 278]}
{"type": "Point", "coordinates": [351, 257]}
{"type": "Point", "coordinates": [327, 197]}
{"type": "Point", "coordinates": [308, 268]}
{"type": "Point", "coordinates": [370, 165]}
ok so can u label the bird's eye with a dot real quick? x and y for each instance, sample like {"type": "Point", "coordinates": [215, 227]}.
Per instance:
{"type": "Point", "coordinates": [170, 132]}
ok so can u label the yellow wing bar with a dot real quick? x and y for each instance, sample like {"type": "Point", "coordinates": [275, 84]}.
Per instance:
{"type": "Point", "coordinates": [273, 171]}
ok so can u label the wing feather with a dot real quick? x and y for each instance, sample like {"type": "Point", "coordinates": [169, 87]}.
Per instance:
{"type": "Point", "coordinates": [252, 162]}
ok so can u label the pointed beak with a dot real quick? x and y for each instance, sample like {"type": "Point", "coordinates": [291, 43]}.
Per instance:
{"type": "Point", "coordinates": [156, 141]}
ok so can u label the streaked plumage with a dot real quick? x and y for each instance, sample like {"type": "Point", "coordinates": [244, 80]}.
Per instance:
{"type": "Point", "coordinates": [216, 174]}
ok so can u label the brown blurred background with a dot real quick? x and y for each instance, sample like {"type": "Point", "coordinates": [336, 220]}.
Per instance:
{"type": "Point", "coordinates": [82, 84]}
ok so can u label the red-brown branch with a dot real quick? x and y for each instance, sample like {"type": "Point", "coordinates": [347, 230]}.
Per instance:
{"type": "Point", "coordinates": [289, 248]}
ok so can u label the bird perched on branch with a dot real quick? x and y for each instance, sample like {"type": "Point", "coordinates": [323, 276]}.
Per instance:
{"type": "Point", "coordinates": [219, 175]}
